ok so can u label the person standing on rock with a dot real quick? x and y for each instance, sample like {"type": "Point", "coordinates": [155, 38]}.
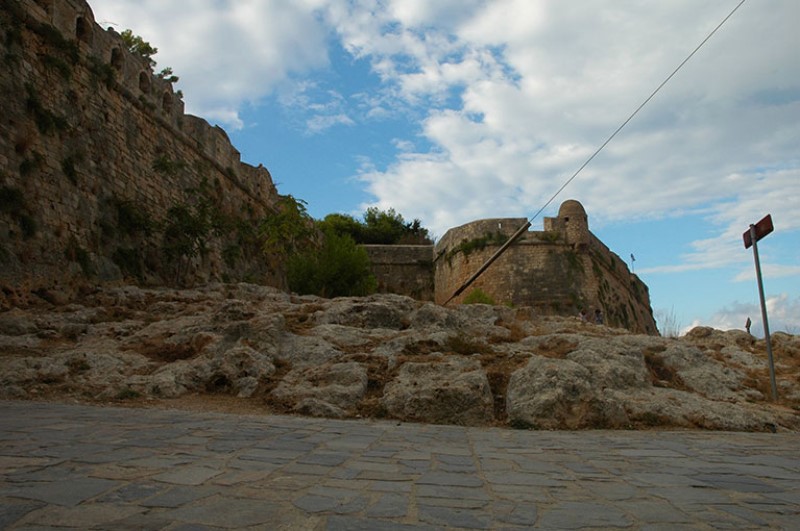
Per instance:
{"type": "Point", "coordinates": [583, 316]}
{"type": "Point", "coordinates": [598, 316]}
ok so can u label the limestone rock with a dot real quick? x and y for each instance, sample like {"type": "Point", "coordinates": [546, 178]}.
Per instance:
{"type": "Point", "coordinates": [551, 393]}
{"type": "Point", "coordinates": [391, 356]}
{"type": "Point", "coordinates": [451, 391]}
{"type": "Point", "coordinates": [335, 388]}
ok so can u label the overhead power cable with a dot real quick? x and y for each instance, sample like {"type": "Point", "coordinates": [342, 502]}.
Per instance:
{"type": "Point", "coordinates": [525, 227]}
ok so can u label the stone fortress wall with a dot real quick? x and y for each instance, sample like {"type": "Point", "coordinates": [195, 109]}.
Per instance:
{"type": "Point", "coordinates": [404, 269]}
{"type": "Point", "coordinates": [86, 125]}
{"type": "Point", "coordinates": [557, 271]}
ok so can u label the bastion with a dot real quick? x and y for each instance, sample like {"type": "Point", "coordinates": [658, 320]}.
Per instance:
{"type": "Point", "coordinates": [560, 270]}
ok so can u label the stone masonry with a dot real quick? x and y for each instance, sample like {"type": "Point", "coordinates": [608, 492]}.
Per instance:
{"type": "Point", "coordinates": [87, 126]}
{"type": "Point", "coordinates": [557, 271]}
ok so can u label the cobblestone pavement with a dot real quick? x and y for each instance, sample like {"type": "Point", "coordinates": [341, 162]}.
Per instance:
{"type": "Point", "coordinates": [83, 467]}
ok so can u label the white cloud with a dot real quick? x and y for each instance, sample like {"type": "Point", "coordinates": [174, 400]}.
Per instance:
{"type": "Point", "coordinates": [226, 54]}
{"type": "Point", "coordinates": [783, 313]}
{"type": "Point", "coordinates": [545, 83]}
{"type": "Point", "coordinates": [768, 271]}
{"type": "Point", "coordinates": [513, 95]}
{"type": "Point", "coordinates": [317, 124]}
{"type": "Point", "coordinates": [774, 192]}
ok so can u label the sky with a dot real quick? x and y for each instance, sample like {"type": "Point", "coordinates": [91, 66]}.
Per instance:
{"type": "Point", "coordinates": [450, 111]}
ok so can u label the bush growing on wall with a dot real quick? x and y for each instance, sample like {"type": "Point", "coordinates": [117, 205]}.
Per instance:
{"type": "Point", "coordinates": [339, 268]}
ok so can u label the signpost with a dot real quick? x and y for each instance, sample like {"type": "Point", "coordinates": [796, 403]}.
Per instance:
{"type": "Point", "coordinates": [751, 237]}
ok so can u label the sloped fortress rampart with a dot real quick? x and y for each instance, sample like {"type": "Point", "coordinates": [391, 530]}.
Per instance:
{"type": "Point", "coordinates": [559, 270]}
{"type": "Point", "coordinates": [95, 147]}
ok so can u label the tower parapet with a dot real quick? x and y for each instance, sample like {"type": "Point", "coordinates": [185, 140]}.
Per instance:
{"type": "Point", "coordinates": [558, 271]}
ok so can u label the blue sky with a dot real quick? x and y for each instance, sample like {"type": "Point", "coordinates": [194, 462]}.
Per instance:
{"type": "Point", "coordinates": [455, 110]}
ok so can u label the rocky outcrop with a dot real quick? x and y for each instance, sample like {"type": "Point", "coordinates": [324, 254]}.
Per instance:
{"type": "Point", "coordinates": [392, 357]}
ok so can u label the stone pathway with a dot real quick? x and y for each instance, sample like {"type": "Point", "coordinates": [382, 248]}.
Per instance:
{"type": "Point", "coordinates": [82, 467]}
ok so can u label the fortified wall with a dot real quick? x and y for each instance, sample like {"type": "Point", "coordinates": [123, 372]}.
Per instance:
{"type": "Point", "coordinates": [404, 269]}
{"type": "Point", "coordinates": [98, 162]}
{"type": "Point", "coordinates": [560, 270]}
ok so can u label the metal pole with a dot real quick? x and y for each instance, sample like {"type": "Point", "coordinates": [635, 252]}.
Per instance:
{"type": "Point", "coordinates": [764, 314]}
{"type": "Point", "coordinates": [489, 262]}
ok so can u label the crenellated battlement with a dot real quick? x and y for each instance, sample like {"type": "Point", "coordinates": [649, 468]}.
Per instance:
{"type": "Point", "coordinates": [135, 79]}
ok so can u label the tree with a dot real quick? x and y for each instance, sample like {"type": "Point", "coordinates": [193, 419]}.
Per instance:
{"type": "Point", "coordinates": [339, 268]}
{"type": "Point", "coordinates": [287, 230]}
{"type": "Point", "coordinates": [139, 46]}
{"type": "Point", "coordinates": [383, 226]}
{"type": "Point", "coordinates": [343, 225]}
{"type": "Point", "coordinates": [379, 227]}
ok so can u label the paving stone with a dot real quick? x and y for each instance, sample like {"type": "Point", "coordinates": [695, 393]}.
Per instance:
{"type": "Point", "coordinates": [519, 478]}
{"type": "Point", "coordinates": [324, 459]}
{"type": "Point", "coordinates": [451, 479]}
{"type": "Point", "coordinates": [655, 511]}
{"type": "Point", "coordinates": [458, 503]}
{"type": "Point", "coordinates": [229, 513]}
{"type": "Point", "coordinates": [390, 506]}
{"type": "Point", "coordinates": [317, 503]}
{"type": "Point", "coordinates": [102, 515]}
{"type": "Point", "coordinates": [65, 492]}
{"type": "Point", "coordinates": [736, 482]}
{"type": "Point", "coordinates": [522, 514]}
{"type": "Point", "coordinates": [299, 473]}
{"type": "Point", "coordinates": [178, 496]}
{"type": "Point", "coordinates": [573, 515]}
{"type": "Point", "coordinates": [131, 493]}
{"type": "Point", "coordinates": [442, 491]}
{"type": "Point", "coordinates": [451, 517]}
{"type": "Point", "coordinates": [349, 523]}
{"type": "Point", "coordinates": [12, 510]}
{"type": "Point", "coordinates": [188, 475]}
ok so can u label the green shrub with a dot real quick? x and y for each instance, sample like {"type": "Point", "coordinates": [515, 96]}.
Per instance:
{"type": "Point", "coordinates": [478, 296]}
{"type": "Point", "coordinates": [133, 218]}
{"type": "Point", "coordinates": [185, 238]}
{"type": "Point", "coordinates": [379, 227]}
{"type": "Point", "coordinates": [550, 236]}
{"type": "Point", "coordinates": [129, 262]}
{"type": "Point", "coordinates": [11, 200]}
{"type": "Point", "coordinates": [53, 37]}
{"type": "Point", "coordinates": [340, 268]}
{"type": "Point", "coordinates": [59, 65]}
{"type": "Point", "coordinates": [163, 164]}
{"type": "Point", "coordinates": [289, 230]}
{"type": "Point", "coordinates": [46, 120]}
{"type": "Point", "coordinates": [128, 394]}
{"type": "Point", "coordinates": [102, 72]}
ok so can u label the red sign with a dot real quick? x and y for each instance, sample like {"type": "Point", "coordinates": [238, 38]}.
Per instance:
{"type": "Point", "coordinates": [763, 228]}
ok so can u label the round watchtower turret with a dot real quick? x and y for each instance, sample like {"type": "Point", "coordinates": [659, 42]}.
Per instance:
{"type": "Point", "coordinates": [575, 222]}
